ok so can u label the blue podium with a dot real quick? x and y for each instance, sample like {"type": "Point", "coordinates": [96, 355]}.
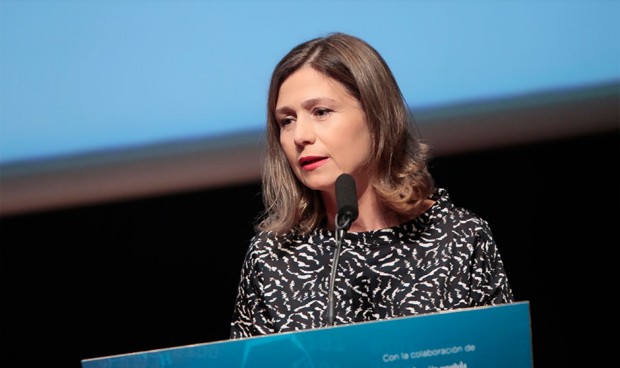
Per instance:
{"type": "Point", "coordinates": [494, 336]}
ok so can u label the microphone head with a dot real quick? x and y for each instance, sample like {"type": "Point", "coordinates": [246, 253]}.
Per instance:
{"type": "Point", "coordinates": [346, 198]}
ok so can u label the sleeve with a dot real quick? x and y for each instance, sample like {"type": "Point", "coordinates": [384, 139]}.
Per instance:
{"type": "Point", "coordinates": [489, 281]}
{"type": "Point", "coordinates": [250, 317]}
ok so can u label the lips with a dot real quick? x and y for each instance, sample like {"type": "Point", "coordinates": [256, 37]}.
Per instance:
{"type": "Point", "coordinates": [311, 162]}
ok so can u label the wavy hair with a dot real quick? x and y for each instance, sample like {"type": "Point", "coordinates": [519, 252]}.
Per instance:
{"type": "Point", "coordinates": [399, 157]}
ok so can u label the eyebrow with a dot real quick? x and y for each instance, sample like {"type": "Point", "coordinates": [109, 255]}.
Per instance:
{"type": "Point", "coordinates": [306, 104]}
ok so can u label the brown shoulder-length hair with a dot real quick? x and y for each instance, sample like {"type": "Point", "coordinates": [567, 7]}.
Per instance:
{"type": "Point", "coordinates": [399, 158]}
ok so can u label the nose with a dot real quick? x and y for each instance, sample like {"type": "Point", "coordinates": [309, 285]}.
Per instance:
{"type": "Point", "coordinates": [304, 132]}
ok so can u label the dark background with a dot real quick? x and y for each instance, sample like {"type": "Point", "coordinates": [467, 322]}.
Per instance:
{"type": "Point", "coordinates": [160, 272]}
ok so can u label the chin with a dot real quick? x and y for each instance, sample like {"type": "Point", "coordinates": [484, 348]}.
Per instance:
{"type": "Point", "coordinates": [318, 182]}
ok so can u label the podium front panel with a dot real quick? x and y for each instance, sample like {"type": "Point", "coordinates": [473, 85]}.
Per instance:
{"type": "Point", "coordinates": [494, 336]}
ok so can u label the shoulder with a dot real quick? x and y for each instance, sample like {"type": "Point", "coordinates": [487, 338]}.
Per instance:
{"type": "Point", "coordinates": [270, 252]}
{"type": "Point", "coordinates": [263, 245]}
{"type": "Point", "coordinates": [268, 243]}
{"type": "Point", "coordinates": [448, 214]}
{"type": "Point", "coordinates": [264, 242]}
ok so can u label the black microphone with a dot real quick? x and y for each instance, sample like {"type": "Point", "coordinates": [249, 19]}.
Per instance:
{"type": "Point", "coordinates": [346, 201]}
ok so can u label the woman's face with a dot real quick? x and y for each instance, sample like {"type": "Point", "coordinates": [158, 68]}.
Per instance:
{"type": "Point", "coordinates": [323, 129]}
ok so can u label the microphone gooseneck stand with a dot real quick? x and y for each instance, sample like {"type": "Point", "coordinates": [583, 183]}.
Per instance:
{"type": "Point", "coordinates": [342, 225]}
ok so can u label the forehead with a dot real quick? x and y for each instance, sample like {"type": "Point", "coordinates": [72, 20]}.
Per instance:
{"type": "Point", "coordinates": [306, 83]}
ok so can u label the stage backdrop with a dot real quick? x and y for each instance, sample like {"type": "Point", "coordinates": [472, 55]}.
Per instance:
{"type": "Point", "coordinates": [105, 100]}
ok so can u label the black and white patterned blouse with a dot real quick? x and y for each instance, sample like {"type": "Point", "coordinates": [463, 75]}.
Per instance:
{"type": "Point", "coordinates": [444, 259]}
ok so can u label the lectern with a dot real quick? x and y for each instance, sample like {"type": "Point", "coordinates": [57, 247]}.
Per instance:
{"type": "Point", "coordinates": [493, 336]}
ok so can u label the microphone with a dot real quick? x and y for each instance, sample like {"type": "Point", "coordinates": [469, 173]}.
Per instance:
{"type": "Point", "coordinates": [346, 201]}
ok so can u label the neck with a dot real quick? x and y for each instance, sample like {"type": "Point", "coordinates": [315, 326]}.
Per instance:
{"type": "Point", "coordinates": [373, 214]}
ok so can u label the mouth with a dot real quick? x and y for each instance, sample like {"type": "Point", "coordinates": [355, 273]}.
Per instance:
{"type": "Point", "coordinates": [311, 161]}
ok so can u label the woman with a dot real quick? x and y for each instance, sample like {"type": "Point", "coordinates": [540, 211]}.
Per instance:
{"type": "Point", "coordinates": [334, 107]}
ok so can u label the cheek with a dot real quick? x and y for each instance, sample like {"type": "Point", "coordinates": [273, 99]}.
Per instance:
{"type": "Point", "coordinates": [362, 147]}
{"type": "Point", "coordinates": [288, 146]}
{"type": "Point", "coordinates": [359, 132]}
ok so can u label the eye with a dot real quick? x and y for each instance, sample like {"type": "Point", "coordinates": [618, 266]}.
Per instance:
{"type": "Point", "coordinates": [321, 112]}
{"type": "Point", "coordinates": [285, 120]}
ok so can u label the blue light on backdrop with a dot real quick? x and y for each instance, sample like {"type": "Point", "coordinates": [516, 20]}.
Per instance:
{"type": "Point", "coordinates": [82, 76]}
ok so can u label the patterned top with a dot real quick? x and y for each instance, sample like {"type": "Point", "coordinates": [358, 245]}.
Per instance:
{"type": "Point", "coordinates": [444, 259]}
